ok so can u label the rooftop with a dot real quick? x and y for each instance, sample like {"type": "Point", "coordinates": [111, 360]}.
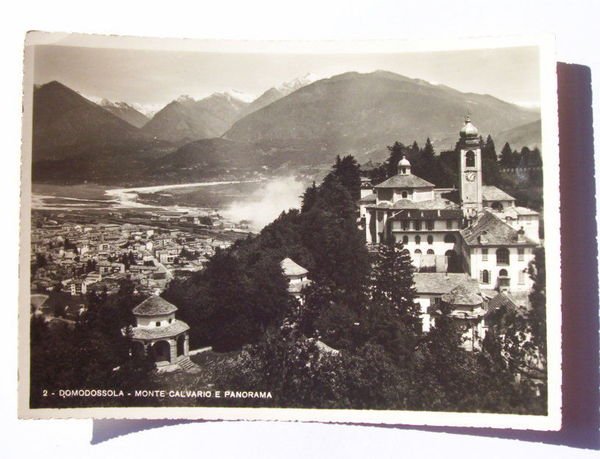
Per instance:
{"type": "Point", "coordinates": [405, 181]}
{"type": "Point", "coordinates": [368, 198]}
{"type": "Point", "coordinates": [439, 283]}
{"type": "Point", "coordinates": [431, 204]}
{"type": "Point", "coordinates": [170, 330]}
{"type": "Point", "coordinates": [489, 230]}
{"type": "Point", "coordinates": [291, 268]}
{"type": "Point", "coordinates": [154, 306]}
{"type": "Point", "coordinates": [501, 300]}
{"type": "Point", "coordinates": [493, 193]}
{"type": "Point", "coordinates": [464, 294]}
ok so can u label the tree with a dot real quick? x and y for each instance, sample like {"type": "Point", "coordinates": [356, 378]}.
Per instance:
{"type": "Point", "coordinates": [489, 160]}
{"type": "Point", "coordinates": [391, 164]}
{"type": "Point", "coordinates": [309, 197]}
{"type": "Point", "coordinates": [347, 171]}
{"type": "Point", "coordinates": [392, 317]}
{"type": "Point", "coordinates": [392, 283]}
{"type": "Point", "coordinates": [506, 156]}
{"type": "Point", "coordinates": [537, 298]}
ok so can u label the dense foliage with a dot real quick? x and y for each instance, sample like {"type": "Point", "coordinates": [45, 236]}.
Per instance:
{"type": "Point", "coordinates": [90, 353]}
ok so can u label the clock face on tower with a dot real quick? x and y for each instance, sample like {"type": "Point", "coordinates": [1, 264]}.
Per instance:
{"type": "Point", "coordinates": [470, 176]}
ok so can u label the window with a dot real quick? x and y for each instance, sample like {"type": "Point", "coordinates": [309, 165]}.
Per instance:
{"type": "Point", "coordinates": [470, 159]}
{"type": "Point", "coordinates": [521, 252]}
{"type": "Point", "coordinates": [417, 240]}
{"type": "Point", "coordinates": [430, 239]}
{"type": "Point", "coordinates": [158, 324]}
{"type": "Point", "coordinates": [430, 224]}
{"type": "Point", "coordinates": [403, 170]}
{"type": "Point", "coordinates": [449, 239]}
{"type": "Point", "coordinates": [404, 240]}
{"type": "Point", "coordinates": [485, 276]}
{"type": "Point", "coordinates": [521, 277]}
{"type": "Point", "coordinates": [502, 256]}
{"type": "Point", "coordinates": [449, 224]}
{"type": "Point", "coordinates": [405, 224]}
{"type": "Point", "coordinates": [430, 252]}
{"type": "Point", "coordinates": [404, 194]}
{"type": "Point", "coordinates": [484, 254]}
{"type": "Point", "coordinates": [379, 216]}
{"type": "Point", "coordinates": [170, 321]}
{"type": "Point", "coordinates": [418, 252]}
{"type": "Point", "coordinates": [418, 225]}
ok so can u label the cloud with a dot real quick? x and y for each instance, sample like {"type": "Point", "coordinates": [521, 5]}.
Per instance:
{"type": "Point", "coordinates": [265, 204]}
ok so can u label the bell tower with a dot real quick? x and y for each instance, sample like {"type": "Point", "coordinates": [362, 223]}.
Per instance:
{"type": "Point", "coordinates": [470, 180]}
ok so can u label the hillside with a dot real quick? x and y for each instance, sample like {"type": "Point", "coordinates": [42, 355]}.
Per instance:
{"type": "Point", "coordinates": [185, 119]}
{"type": "Point", "coordinates": [64, 121]}
{"type": "Point", "coordinates": [358, 113]}
{"type": "Point", "coordinates": [527, 135]}
{"type": "Point", "coordinates": [209, 158]}
{"type": "Point", "coordinates": [275, 93]}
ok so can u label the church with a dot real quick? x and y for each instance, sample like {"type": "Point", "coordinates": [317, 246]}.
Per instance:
{"type": "Point", "coordinates": [476, 236]}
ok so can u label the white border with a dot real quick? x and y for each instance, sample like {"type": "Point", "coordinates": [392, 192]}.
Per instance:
{"type": "Point", "coordinates": [549, 112]}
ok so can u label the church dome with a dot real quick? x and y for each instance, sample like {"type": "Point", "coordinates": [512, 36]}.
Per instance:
{"type": "Point", "coordinates": [404, 162]}
{"type": "Point", "coordinates": [469, 130]}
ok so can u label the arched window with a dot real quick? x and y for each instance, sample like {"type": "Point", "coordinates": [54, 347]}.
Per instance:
{"type": "Point", "coordinates": [405, 240]}
{"type": "Point", "coordinates": [403, 170]}
{"type": "Point", "coordinates": [404, 194]}
{"type": "Point", "coordinates": [502, 256]}
{"type": "Point", "coordinates": [418, 252]}
{"type": "Point", "coordinates": [470, 159]}
{"type": "Point", "coordinates": [485, 276]}
{"type": "Point", "coordinates": [503, 273]}
{"type": "Point", "coordinates": [430, 252]}
{"type": "Point", "coordinates": [449, 239]}
{"type": "Point", "coordinates": [417, 239]}
{"type": "Point", "coordinates": [430, 239]}
{"type": "Point", "coordinates": [497, 206]}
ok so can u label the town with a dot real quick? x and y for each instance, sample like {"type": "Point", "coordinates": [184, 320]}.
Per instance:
{"type": "Point", "coordinates": [73, 254]}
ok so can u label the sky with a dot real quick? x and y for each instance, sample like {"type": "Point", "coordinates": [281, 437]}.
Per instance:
{"type": "Point", "coordinates": [152, 78]}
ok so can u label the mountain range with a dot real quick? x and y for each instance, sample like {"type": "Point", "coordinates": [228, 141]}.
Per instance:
{"type": "Point", "coordinates": [303, 122]}
{"type": "Point", "coordinates": [360, 113]}
{"type": "Point", "coordinates": [125, 111]}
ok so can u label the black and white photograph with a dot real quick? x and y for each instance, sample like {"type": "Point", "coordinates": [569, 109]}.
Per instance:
{"type": "Point", "coordinates": [359, 232]}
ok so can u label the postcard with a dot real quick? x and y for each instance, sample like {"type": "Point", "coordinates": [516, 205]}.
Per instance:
{"type": "Point", "coordinates": [311, 231]}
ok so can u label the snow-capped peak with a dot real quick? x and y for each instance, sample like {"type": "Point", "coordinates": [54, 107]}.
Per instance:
{"type": "Point", "coordinates": [297, 83]}
{"type": "Point", "coordinates": [184, 98]}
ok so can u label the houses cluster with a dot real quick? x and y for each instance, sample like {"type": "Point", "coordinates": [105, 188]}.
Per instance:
{"type": "Point", "coordinates": [73, 258]}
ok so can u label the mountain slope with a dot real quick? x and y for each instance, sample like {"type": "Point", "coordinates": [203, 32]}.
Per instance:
{"type": "Point", "coordinates": [63, 120]}
{"type": "Point", "coordinates": [526, 135]}
{"type": "Point", "coordinates": [357, 113]}
{"type": "Point", "coordinates": [273, 94]}
{"type": "Point", "coordinates": [125, 111]}
{"type": "Point", "coordinates": [186, 119]}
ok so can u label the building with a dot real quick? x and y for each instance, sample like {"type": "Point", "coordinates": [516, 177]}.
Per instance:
{"type": "Point", "coordinates": [297, 277]}
{"type": "Point", "coordinates": [468, 245]}
{"type": "Point", "coordinates": [160, 333]}
{"type": "Point", "coordinates": [476, 229]}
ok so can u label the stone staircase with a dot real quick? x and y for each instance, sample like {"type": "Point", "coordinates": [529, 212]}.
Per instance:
{"type": "Point", "coordinates": [188, 366]}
